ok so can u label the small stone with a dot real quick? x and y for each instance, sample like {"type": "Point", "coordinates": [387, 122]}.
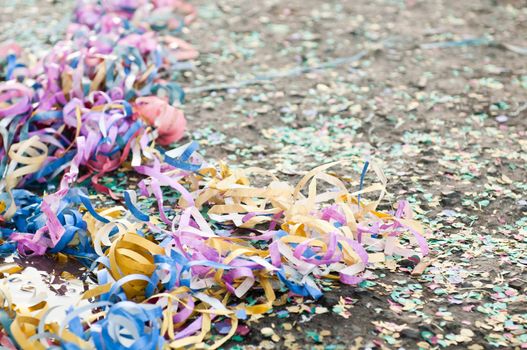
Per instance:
{"type": "Point", "coordinates": [410, 333]}
{"type": "Point", "coordinates": [516, 284]}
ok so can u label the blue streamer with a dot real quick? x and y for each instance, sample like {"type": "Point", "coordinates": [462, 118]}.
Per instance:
{"type": "Point", "coordinates": [362, 175]}
{"type": "Point", "coordinates": [181, 162]}
{"type": "Point", "coordinates": [133, 209]}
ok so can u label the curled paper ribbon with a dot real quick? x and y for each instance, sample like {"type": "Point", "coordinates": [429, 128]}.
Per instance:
{"type": "Point", "coordinates": [168, 120]}
{"type": "Point", "coordinates": [186, 277]}
{"type": "Point", "coordinates": [89, 94]}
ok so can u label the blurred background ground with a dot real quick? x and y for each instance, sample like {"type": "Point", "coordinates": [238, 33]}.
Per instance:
{"type": "Point", "coordinates": [438, 97]}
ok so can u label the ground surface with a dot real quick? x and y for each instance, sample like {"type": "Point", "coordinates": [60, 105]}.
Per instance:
{"type": "Point", "coordinates": [448, 124]}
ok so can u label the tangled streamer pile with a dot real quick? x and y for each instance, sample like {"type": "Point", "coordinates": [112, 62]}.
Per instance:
{"type": "Point", "coordinates": [104, 99]}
